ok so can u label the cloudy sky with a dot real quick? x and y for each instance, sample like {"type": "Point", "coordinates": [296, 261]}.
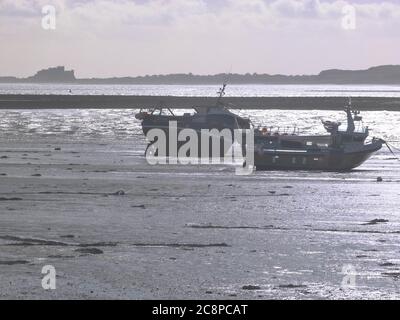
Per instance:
{"type": "Point", "coordinates": [99, 38]}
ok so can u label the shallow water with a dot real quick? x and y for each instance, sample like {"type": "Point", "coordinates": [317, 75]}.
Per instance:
{"type": "Point", "coordinates": [206, 90]}
{"type": "Point", "coordinates": [121, 123]}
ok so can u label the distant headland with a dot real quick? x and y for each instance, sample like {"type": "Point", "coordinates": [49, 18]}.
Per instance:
{"type": "Point", "coordinates": [380, 75]}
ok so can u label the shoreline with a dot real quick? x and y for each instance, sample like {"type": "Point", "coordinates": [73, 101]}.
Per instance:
{"type": "Point", "coordinates": [16, 101]}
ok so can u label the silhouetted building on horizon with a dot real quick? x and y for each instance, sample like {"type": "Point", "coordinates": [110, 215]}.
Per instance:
{"type": "Point", "coordinates": [56, 74]}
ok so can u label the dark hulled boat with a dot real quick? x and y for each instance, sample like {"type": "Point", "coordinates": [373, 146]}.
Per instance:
{"type": "Point", "coordinates": [206, 117]}
{"type": "Point", "coordinates": [213, 117]}
{"type": "Point", "coordinates": [336, 151]}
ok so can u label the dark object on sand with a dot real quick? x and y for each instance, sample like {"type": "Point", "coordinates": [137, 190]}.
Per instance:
{"type": "Point", "coordinates": [119, 193]}
{"type": "Point", "coordinates": [387, 264]}
{"type": "Point", "coordinates": [69, 236]}
{"type": "Point", "coordinates": [141, 206]}
{"type": "Point", "coordinates": [251, 287]}
{"type": "Point", "coordinates": [379, 179]}
{"type": "Point", "coordinates": [375, 221]}
{"type": "Point", "coordinates": [14, 262]}
{"type": "Point", "coordinates": [10, 199]}
{"type": "Point", "coordinates": [90, 251]}
{"type": "Point", "coordinates": [292, 286]}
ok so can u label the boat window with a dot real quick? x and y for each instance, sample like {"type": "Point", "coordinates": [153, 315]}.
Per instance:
{"type": "Point", "coordinates": [309, 143]}
{"type": "Point", "coordinates": [316, 159]}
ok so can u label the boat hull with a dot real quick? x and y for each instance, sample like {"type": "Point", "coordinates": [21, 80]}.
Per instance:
{"type": "Point", "coordinates": [328, 160]}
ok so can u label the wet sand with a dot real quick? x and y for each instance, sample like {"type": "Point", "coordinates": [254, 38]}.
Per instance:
{"type": "Point", "coordinates": [9, 101]}
{"type": "Point", "coordinates": [115, 227]}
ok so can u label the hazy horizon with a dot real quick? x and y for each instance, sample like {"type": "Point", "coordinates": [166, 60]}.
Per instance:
{"type": "Point", "coordinates": [194, 74]}
{"type": "Point", "coordinates": [120, 38]}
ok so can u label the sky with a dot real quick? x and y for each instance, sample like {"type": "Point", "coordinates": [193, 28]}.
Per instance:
{"type": "Point", "coordinates": [99, 38]}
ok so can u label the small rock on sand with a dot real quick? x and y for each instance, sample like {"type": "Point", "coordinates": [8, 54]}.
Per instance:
{"type": "Point", "coordinates": [387, 264]}
{"type": "Point", "coordinates": [90, 250]}
{"type": "Point", "coordinates": [13, 262]}
{"type": "Point", "coordinates": [10, 199]}
{"type": "Point", "coordinates": [292, 286]}
{"type": "Point", "coordinates": [141, 206]}
{"type": "Point", "coordinates": [376, 221]}
{"type": "Point", "coordinates": [251, 287]}
{"type": "Point", "coordinates": [379, 179]}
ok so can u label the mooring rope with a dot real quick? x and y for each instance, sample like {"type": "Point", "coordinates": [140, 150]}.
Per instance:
{"type": "Point", "coordinates": [390, 147]}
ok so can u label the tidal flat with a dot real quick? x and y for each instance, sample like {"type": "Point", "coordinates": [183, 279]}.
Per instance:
{"type": "Point", "coordinates": [115, 227]}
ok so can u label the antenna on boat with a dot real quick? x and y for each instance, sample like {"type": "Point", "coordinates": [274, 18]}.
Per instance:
{"type": "Point", "coordinates": [350, 120]}
{"type": "Point", "coordinates": [221, 91]}
{"type": "Point", "coordinates": [221, 94]}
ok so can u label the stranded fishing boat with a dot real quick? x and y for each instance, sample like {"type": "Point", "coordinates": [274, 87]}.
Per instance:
{"type": "Point", "coordinates": [337, 151]}
{"type": "Point", "coordinates": [211, 117]}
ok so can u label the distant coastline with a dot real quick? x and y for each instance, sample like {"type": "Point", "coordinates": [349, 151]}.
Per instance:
{"type": "Point", "coordinates": [380, 75]}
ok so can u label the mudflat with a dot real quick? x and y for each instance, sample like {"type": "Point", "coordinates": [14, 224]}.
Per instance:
{"type": "Point", "coordinates": [115, 227]}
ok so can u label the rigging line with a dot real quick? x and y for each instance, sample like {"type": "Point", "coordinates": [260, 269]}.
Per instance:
{"type": "Point", "coordinates": [391, 151]}
{"type": "Point", "coordinates": [394, 147]}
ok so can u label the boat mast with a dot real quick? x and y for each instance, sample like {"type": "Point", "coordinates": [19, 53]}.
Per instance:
{"type": "Point", "coordinates": [221, 94]}
{"type": "Point", "coordinates": [350, 121]}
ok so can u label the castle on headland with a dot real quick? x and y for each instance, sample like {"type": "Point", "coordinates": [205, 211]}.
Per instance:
{"type": "Point", "coordinates": [56, 74]}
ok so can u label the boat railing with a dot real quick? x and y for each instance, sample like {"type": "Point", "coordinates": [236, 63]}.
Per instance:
{"type": "Point", "coordinates": [160, 110]}
{"type": "Point", "coordinates": [278, 131]}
